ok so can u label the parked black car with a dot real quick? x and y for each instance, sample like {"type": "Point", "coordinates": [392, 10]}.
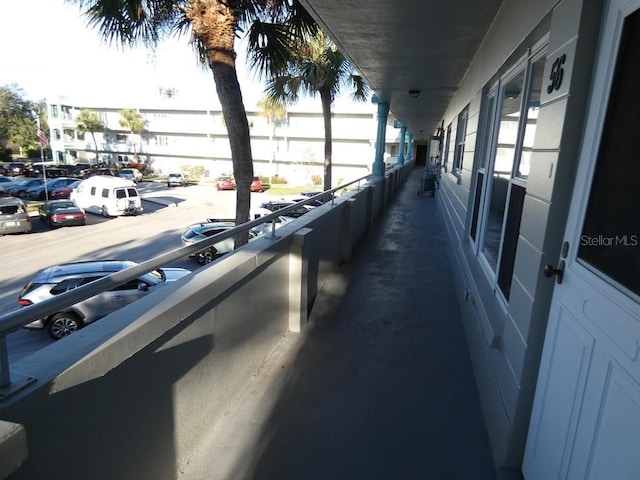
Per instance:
{"type": "Point", "coordinates": [274, 206]}
{"type": "Point", "coordinates": [101, 171]}
{"type": "Point", "coordinates": [60, 213]}
{"type": "Point", "coordinates": [79, 170]}
{"type": "Point", "coordinates": [51, 172]}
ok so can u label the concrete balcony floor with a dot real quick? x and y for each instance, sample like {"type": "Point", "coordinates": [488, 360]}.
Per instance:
{"type": "Point", "coordinates": [379, 386]}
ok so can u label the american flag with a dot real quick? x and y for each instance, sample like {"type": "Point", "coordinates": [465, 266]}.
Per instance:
{"type": "Point", "coordinates": [43, 138]}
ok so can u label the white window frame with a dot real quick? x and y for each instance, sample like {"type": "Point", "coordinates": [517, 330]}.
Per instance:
{"type": "Point", "coordinates": [461, 140]}
{"type": "Point", "coordinates": [487, 163]}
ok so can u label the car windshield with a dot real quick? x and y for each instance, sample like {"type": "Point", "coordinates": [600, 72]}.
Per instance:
{"type": "Point", "coordinates": [11, 209]}
{"type": "Point", "coordinates": [62, 206]}
{"type": "Point", "coordinates": [189, 234]}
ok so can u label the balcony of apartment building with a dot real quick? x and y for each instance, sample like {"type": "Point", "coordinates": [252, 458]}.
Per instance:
{"type": "Point", "coordinates": [331, 349]}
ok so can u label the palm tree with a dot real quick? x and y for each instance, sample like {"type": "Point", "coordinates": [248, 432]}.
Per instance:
{"type": "Point", "coordinates": [275, 113]}
{"type": "Point", "coordinates": [314, 65]}
{"type": "Point", "coordinates": [134, 122]}
{"type": "Point", "coordinates": [89, 122]}
{"type": "Point", "coordinates": [213, 26]}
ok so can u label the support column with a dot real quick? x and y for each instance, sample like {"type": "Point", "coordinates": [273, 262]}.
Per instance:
{"type": "Point", "coordinates": [378, 167]}
{"type": "Point", "coordinates": [299, 280]}
{"type": "Point", "coordinates": [409, 155]}
{"type": "Point", "coordinates": [403, 132]}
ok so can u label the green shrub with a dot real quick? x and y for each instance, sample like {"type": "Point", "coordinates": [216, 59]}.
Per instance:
{"type": "Point", "coordinates": [276, 179]}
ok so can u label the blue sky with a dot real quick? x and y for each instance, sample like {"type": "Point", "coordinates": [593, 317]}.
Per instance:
{"type": "Point", "coordinates": [48, 50]}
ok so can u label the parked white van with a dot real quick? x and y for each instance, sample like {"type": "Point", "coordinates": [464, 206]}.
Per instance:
{"type": "Point", "coordinates": [109, 196]}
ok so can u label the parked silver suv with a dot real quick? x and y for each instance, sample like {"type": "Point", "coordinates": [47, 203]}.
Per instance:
{"type": "Point", "coordinates": [62, 278]}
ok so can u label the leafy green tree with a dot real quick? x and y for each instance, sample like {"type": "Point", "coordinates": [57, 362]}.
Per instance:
{"type": "Point", "coordinates": [89, 122]}
{"type": "Point", "coordinates": [272, 109]}
{"type": "Point", "coordinates": [314, 66]}
{"type": "Point", "coordinates": [134, 122]}
{"type": "Point", "coordinates": [212, 26]}
{"type": "Point", "coordinates": [18, 124]}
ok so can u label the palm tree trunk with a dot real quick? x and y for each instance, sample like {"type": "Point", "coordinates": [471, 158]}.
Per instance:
{"type": "Point", "coordinates": [325, 98]}
{"type": "Point", "coordinates": [214, 23]}
{"type": "Point", "coordinates": [95, 144]}
{"type": "Point", "coordinates": [235, 117]}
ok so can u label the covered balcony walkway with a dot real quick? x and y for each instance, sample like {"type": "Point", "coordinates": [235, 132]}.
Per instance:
{"type": "Point", "coordinates": [379, 386]}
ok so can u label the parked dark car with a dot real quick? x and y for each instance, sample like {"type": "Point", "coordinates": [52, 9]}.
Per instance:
{"type": "Point", "coordinates": [274, 206]}
{"type": "Point", "coordinates": [201, 231]}
{"type": "Point", "coordinates": [61, 213]}
{"type": "Point", "coordinates": [38, 192]}
{"type": "Point", "coordinates": [79, 170]}
{"type": "Point", "coordinates": [19, 188]}
{"type": "Point", "coordinates": [16, 168]}
{"type": "Point", "coordinates": [101, 171]}
{"type": "Point", "coordinates": [317, 202]}
{"type": "Point", "coordinates": [50, 171]}
{"type": "Point", "coordinates": [13, 216]}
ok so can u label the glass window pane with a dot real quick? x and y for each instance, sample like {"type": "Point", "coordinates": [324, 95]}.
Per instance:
{"type": "Point", "coordinates": [495, 215]}
{"type": "Point", "coordinates": [503, 167]}
{"type": "Point", "coordinates": [610, 240]}
{"type": "Point", "coordinates": [476, 204]}
{"type": "Point", "coordinates": [488, 129]}
{"type": "Point", "coordinates": [532, 118]}
{"type": "Point", "coordinates": [509, 120]}
{"type": "Point", "coordinates": [510, 242]}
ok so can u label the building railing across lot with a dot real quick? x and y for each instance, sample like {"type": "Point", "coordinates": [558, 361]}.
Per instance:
{"type": "Point", "coordinates": [169, 365]}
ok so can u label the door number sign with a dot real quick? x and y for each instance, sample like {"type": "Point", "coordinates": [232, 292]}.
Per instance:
{"type": "Point", "coordinates": [557, 72]}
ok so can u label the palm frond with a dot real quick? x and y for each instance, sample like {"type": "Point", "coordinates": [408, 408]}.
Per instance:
{"type": "Point", "coordinates": [128, 22]}
{"type": "Point", "coordinates": [269, 48]}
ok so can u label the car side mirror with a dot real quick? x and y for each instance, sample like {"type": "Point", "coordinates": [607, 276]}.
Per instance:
{"type": "Point", "coordinates": [143, 287]}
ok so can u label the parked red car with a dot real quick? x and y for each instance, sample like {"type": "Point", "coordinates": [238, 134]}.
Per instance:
{"type": "Point", "coordinates": [64, 192]}
{"type": "Point", "coordinates": [256, 185]}
{"type": "Point", "coordinates": [225, 183]}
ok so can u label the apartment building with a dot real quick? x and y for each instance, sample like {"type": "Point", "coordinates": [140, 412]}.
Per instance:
{"type": "Point", "coordinates": [179, 136]}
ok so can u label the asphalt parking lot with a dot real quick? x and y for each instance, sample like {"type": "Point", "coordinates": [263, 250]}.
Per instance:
{"type": "Point", "coordinates": [167, 213]}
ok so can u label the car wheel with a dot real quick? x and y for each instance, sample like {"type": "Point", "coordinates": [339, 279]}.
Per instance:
{"type": "Point", "coordinates": [105, 211]}
{"type": "Point", "coordinates": [63, 324]}
{"type": "Point", "coordinates": [22, 193]}
{"type": "Point", "coordinates": [204, 257]}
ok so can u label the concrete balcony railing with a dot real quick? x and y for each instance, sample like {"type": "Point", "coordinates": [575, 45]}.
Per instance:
{"type": "Point", "coordinates": [135, 394]}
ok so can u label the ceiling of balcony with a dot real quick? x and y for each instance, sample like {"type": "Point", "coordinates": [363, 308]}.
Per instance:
{"type": "Point", "coordinates": [424, 45]}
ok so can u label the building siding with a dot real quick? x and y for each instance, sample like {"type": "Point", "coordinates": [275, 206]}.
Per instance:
{"type": "Point", "coordinates": [505, 336]}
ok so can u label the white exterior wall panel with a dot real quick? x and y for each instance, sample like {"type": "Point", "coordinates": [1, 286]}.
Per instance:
{"type": "Point", "coordinates": [506, 373]}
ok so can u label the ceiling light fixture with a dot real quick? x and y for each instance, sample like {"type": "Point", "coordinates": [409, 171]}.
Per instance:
{"type": "Point", "coordinates": [414, 93]}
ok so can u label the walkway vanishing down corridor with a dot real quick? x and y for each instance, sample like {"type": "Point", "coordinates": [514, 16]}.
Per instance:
{"type": "Point", "coordinates": [379, 386]}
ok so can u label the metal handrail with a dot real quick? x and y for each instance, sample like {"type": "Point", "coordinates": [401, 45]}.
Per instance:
{"type": "Point", "coordinates": [13, 321]}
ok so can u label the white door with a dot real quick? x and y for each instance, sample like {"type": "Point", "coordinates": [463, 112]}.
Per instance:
{"type": "Point", "coordinates": [585, 422]}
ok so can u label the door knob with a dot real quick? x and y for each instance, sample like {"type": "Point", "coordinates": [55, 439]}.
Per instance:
{"type": "Point", "coordinates": [550, 271]}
